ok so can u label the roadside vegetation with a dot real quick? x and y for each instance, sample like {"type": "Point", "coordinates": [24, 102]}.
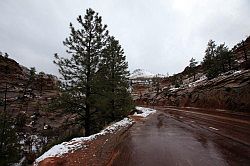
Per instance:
{"type": "Point", "coordinates": [94, 87]}
{"type": "Point", "coordinates": [95, 79]}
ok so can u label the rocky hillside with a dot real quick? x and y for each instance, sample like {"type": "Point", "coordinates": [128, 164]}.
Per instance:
{"type": "Point", "coordinates": [230, 90]}
{"type": "Point", "coordinates": [25, 95]}
{"type": "Point", "coordinates": [27, 99]}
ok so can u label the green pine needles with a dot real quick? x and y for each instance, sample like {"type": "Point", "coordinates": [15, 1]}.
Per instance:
{"type": "Point", "coordinates": [218, 59]}
{"type": "Point", "coordinates": [95, 76]}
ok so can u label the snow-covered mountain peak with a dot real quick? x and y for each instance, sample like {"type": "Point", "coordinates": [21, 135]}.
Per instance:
{"type": "Point", "coordinates": [141, 73]}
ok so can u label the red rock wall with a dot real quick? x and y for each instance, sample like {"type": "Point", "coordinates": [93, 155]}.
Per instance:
{"type": "Point", "coordinates": [232, 93]}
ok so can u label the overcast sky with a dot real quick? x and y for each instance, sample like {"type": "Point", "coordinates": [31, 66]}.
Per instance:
{"type": "Point", "coordinates": [160, 36]}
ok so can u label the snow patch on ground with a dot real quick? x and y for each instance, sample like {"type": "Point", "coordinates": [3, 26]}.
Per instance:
{"type": "Point", "coordinates": [145, 111]}
{"type": "Point", "coordinates": [213, 128]}
{"type": "Point", "coordinates": [77, 143]}
{"type": "Point", "coordinates": [173, 89]}
{"type": "Point", "coordinates": [195, 83]}
{"type": "Point", "coordinates": [236, 72]}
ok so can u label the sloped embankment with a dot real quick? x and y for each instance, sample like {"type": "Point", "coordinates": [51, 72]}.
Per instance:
{"type": "Point", "coordinates": [93, 150]}
{"type": "Point", "coordinates": [97, 149]}
{"type": "Point", "coordinates": [230, 92]}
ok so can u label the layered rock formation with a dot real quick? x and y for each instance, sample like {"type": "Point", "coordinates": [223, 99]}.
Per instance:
{"type": "Point", "coordinates": [26, 103]}
{"type": "Point", "coordinates": [230, 91]}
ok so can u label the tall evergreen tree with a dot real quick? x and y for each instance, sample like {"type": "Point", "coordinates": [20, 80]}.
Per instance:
{"type": "Point", "coordinates": [209, 63]}
{"type": "Point", "coordinates": [28, 90]}
{"type": "Point", "coordinates": [9, 147]}
{"type": "Point", "coordinates": [85, 46]}
{"type": "Point", "coordinates": [209, 54]}
{"type": "Point", "coordinates": [192, 66]}
{"type": "Point", "coordinates": [224, 58]}
{"type": "Point", "coordinates": [243, 44]}
{"type": "Point", "coordinates": [218, 59]}
{"type": "Point", "coordinates": [114, 79]}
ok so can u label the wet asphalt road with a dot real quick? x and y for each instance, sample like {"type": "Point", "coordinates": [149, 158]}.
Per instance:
{"type": "Point", "coordinates": [172, 137]}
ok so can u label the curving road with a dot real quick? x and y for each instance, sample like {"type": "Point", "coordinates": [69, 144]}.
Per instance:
{"type": "Point", "coordinates": [186, 136]}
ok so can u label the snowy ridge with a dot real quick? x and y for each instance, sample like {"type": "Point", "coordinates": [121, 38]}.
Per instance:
{"type": "Point", "coordinates": [141, 73]}
{"type": "Point", "coordinates": [145, 111]}
{"type": "Point", "coordinates": [77, 143]}
{"type": "Point", "coordinates": [195, 83]}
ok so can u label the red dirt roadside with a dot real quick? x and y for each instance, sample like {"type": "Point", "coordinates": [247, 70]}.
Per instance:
{"type": "Point", "coordinates": [97, 152]}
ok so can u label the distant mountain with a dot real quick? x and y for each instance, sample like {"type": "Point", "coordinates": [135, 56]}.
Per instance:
{"type": "Point", "coordinates": [141, 73]}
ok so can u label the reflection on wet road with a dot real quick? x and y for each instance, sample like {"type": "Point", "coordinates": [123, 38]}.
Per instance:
{"type": "Point", "coordinates": [163, 140]}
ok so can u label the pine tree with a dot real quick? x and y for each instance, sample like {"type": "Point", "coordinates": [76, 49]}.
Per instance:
{"type": "Point", "coordinates": [28, 89]}
{"type": "Point", "coordinates": [114, 83]}
{"type": "Point", "coordinates": [209, 61]}
{"type": "Point", "coordinates": [9, 147]}
{"type": "Point", "coordinates": [224, 58]}
{"type": "Point", "coordinates": [85, 46]}
{"type": "Point", "coordinates": [244, 49]}
{"type": "Point", "coordinates": [209, 54]}
{"type": "Point", "coordinates": [192, 66]}
{"type": "Point", "coordinates": [218, 59]}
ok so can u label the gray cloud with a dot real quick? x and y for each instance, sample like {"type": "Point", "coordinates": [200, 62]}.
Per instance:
{"type": "Point", "coordinates": [160, 36]}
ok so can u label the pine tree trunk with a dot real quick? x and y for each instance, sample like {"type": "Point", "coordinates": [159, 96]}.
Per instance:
{"type": "Point", "coordinates": [113, 93]}
{"type": "Point", "coordinates": [87, 118]}
{"type": "Point", "coordinates": [113, 108]}
{"type": "Point", "coordinates": [87, 121]}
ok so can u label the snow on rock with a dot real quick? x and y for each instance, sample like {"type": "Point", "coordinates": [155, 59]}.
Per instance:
{"type": "Point", "coordinates": [77, 143]}
{"type": "Point", "coordinates": [145, 111]}
{"type": "Point", "coordinates": [237, 72]}
{"type": "Point", "coordinates": [195, 83]}
{"type": "Point", "coordinates": [173, 89]}
{"type": "Point", "coordinates": [140, 73]}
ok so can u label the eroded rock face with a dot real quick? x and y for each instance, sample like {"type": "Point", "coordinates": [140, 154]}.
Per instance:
{"type": "Point", "coordinates": [12, 65]}
{"type": "Point", "coordinates": [24, 95]}
{"type": "Point", "coordinates": [27, 102]}
{"type": "Point", "coordinates": [226, 92]}
{"type": "Point", "coordinates": [17, 75]}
